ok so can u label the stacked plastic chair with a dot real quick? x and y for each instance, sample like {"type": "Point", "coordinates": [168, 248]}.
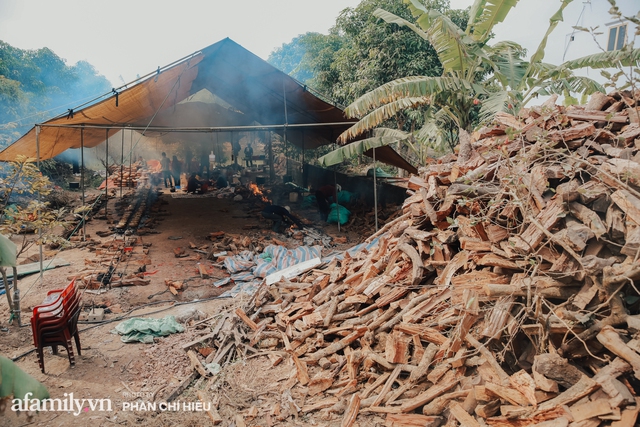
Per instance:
{"type": "Point", "coordinates": [55, 322]}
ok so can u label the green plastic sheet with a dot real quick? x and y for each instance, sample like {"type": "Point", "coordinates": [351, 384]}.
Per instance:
{"type": "Point", "coordinates": [142, 330]}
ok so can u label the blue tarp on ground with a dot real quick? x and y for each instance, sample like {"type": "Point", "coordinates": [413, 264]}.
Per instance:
{"type": "Point", "coordinates": [248, 269]}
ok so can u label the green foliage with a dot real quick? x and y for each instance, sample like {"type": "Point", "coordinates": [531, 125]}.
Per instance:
{"type": "Point", "coordinates": [23, 178]}
{"type": "Point", "coordinates": [37, 84]}
{"type": "Point", "coordinates": [360, 54]}
{"type": "Point", "coordinates": [474, 73]}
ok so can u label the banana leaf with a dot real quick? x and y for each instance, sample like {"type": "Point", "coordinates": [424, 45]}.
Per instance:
{"type": "Point", "coordinates": [354, 149]}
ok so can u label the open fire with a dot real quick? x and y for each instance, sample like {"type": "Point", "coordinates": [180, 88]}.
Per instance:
{"type": "Point", "coordinates": [255, 190]}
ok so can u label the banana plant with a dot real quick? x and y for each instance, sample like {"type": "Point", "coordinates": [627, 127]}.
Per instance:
{"type": "Point", "coordinates": [474, 72]}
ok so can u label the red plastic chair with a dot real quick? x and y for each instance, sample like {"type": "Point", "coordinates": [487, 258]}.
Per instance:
{"type": "Point", "coordinates": [56, 322]}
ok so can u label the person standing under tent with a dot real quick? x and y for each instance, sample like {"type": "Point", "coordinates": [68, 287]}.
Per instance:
{"type": "Point", "coordinates": [176, 169]}
{"type": "Point", "coordinates": [248, 155]}
{"type": "Point", "coordinates": [236, 150]}
{"type": "Point", "coordinates": [204, 163]}
{"type": "Point", "coordinates": [165, 163]}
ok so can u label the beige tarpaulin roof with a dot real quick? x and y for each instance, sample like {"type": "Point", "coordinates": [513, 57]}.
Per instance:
{"type": "Point", "coordinates": [247, 91]}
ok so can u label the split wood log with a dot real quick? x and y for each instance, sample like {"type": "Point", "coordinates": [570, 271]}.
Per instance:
{"type": "Point", "coordinates": [448, 382]}
{"type": "Point", "coordinates": [611, 339]}
{"type": "Point", "coordinates": [462, 416]}
{"type": "Point", "coordinates": [412, 420]}
{"type": "Point", "coordinates": [352, 411]}
{"type": "Point", "coordinates": [339, 345]}
{"type": "Point", "coordinates": [195, 363]}
{"type": "Point", "coordinates": [439, 404]}
{"type": "Point", "coordinates": [212, 413]}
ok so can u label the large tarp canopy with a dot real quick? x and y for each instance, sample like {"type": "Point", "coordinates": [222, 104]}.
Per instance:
{"type": "Point", "coordinates": [221, 87]}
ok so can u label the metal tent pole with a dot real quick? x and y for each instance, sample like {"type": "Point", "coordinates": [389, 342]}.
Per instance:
{"type": "Point", "coordinates": [15, 278]}
{"type": "Point", "coordinates": [272, 172]}
{"type": "Point", "coordinates": [17, 313]}
{"type": "Point", "coordinates": [84, 213]}
{"type": "Point", "coordinates": [304, 184]}
{"type": "Point", "coordinates": [286, 123]}
{"type": "Point", "coordinates": [106, 178]}
{"type": "Point", "coordinates": [130, 180]}
{"type": "Point", "coordinates": [122, 162]}
{"type": "Point", "coordinates": [375, 187]}
{"type": "Point", "coordinates": [335, 183]}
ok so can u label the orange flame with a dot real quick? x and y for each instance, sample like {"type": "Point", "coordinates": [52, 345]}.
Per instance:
{"type": "Point", "coordinates": [255, 190]}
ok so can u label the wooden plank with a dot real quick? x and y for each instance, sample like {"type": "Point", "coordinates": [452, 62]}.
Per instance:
{"type": "Point", "coordinates": [188, 346]}
{"type": "Point", "coordinates": [293, 271]}
{"type": "Point", "coordinates": [182, 386]}
{"type": "Point", "coordinates": [243, 316]}
{"type": "Point", "coordinates": [195, 363]}
{"type": "Point", "coordinates": [387, 386]}
{"type": "Point", "coordinates": [212, 413]}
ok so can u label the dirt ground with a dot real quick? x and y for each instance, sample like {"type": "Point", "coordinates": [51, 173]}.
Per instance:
{"type": "Point", "coordinates": [110, 369]}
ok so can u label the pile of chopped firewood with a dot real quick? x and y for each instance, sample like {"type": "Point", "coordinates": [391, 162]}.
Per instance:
{"type": "Point", "coordinates": [493, 298]}
{"type": "Point", "coordinates": [125, 176]}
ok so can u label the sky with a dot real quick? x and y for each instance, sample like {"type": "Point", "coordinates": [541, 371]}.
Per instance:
{"type": "Point", "coordinates": [123, 39]}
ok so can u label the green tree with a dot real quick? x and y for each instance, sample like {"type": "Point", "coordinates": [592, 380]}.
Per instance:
{"type": "Point", "coordinates": [473, 70]}
{"type": "Point", "coordinates": [37, 84]}
{"type": "Point", "coordinates": [359, 54]}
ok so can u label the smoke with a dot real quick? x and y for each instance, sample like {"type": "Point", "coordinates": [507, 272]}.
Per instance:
{"type": "Point", "coordinates": [42, 86]}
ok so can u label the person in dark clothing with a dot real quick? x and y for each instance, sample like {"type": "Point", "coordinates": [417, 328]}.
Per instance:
{"type": "Point", "coordinates": [277, 214]}
{"type": "Point", "coordinates": [326, 195]}
{"type": "Point", "coordinates": [248, 155]}
{"type": "Point", "coordinates": [194, 186]}
{"type": "Point", "coordinates": [221, 181]}
{"type": "Point", "coordinates": [166, 170]}
{"type": "Point", "coordinates": [176, 169]}
{"type": "Point", "coordinates": [204, 164]}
